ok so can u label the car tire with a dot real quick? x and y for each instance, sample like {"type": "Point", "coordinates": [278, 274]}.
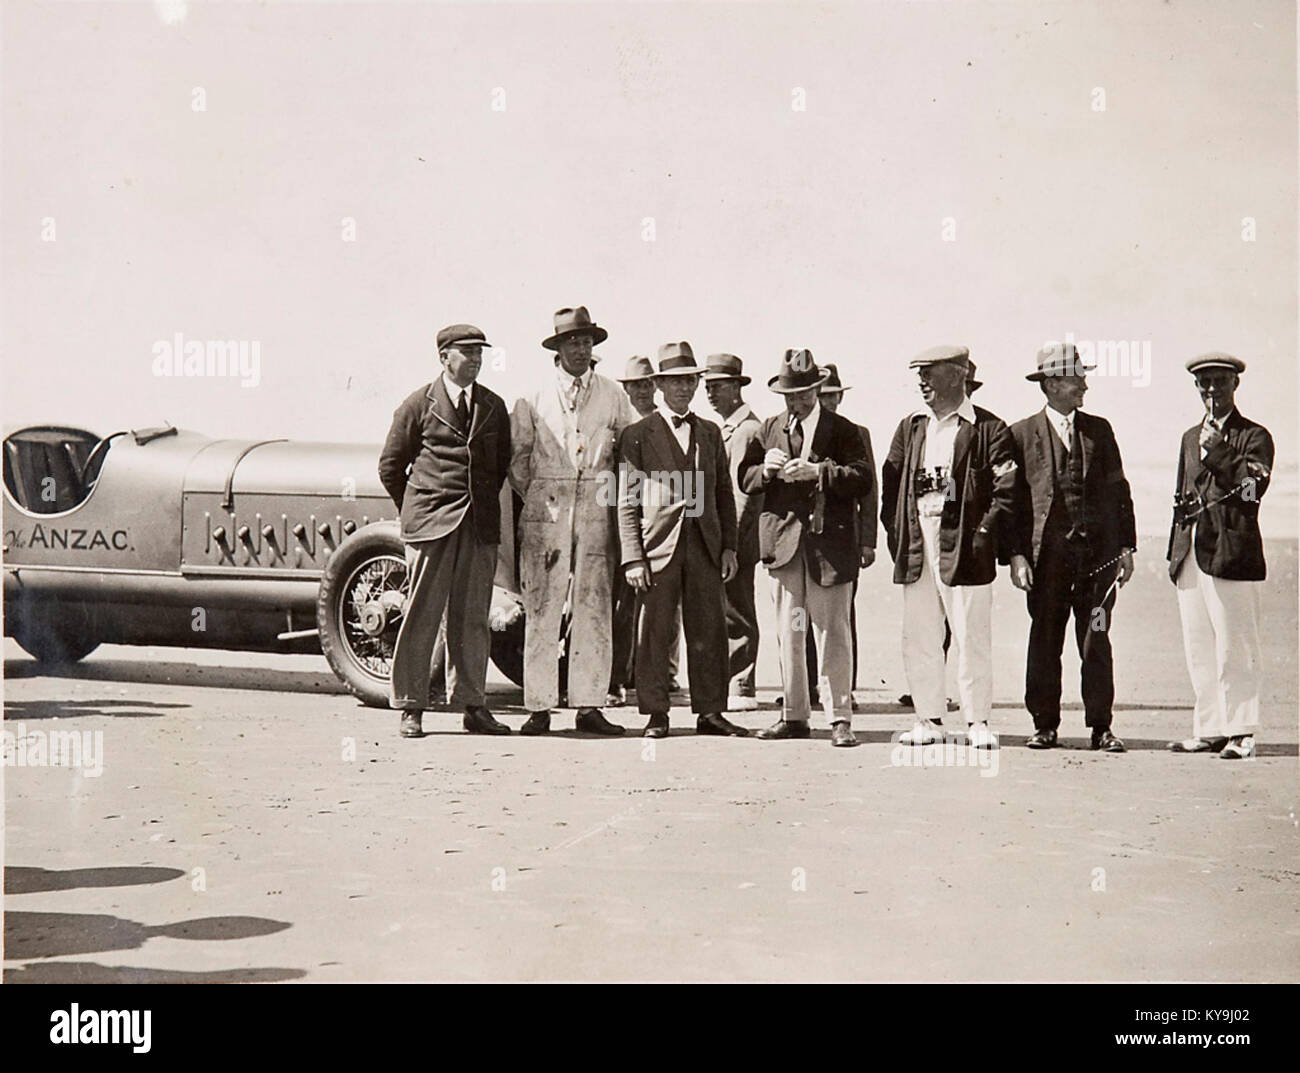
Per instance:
{"type": "Point", "coordinates": [362, 664]}
{"type": "Point", "coordinates": [369, 562]}
{"type": "Point", "coordinates": [56, 635]}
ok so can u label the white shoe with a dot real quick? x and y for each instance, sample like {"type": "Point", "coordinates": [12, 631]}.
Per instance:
{"type": "Point", "coordinates": [1198, 745]}
{"type": "Point", "coordinates": [737, 703]}
{"type": "Point", "coordinates": [979, 735]}
{"type": "Point", "coordinates": [1239, 749]}
{"type": "Point", "coordinates": [924, 733]}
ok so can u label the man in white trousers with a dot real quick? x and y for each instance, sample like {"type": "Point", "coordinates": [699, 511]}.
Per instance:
{"type": "Point", "coordinates": [1216, 559]}
{"type": "Point", "coordinates": [948, 504]}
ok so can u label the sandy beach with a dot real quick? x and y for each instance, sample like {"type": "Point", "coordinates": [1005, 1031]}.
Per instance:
{"type": "Point", "coordinates": [252, 822]}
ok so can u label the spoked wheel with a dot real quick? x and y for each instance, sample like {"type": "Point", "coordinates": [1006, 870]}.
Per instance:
{"type": "Point", "coordinates": [360, 607]}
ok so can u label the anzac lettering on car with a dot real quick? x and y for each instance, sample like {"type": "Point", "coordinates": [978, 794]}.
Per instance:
{"type": "Point", "coordinates": [69, 539]}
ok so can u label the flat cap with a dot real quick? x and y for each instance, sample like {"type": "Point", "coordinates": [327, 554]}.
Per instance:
{"type": "Point", "coordinates": [1216, 359]}
{"type": "Point", "coordinates": [938, 354]}
{"type": "Point", "coordinates": [461, 333]}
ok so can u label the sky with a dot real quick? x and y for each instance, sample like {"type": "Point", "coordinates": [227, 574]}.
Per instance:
{"type": "Point", "coordinates": [862, 179]}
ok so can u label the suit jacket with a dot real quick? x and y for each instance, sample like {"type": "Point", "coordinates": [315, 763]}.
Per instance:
{"type": "Point", "coordinates": [657, 487]}
{"type": "Point", "coordinates": [437, 472]}
{"type": "Point", "coordinates": [1107, 501]}
{"type": "Point", "coordinates": [748, 507]}
{"type": "Point", "coordinates": [1228, 541]}
{"type": "Point", "coordinates": [785, 527]}
{"type": "Point", "coordinates": [978, 528]}
{"type": "Point", "coordinates": [869, 504]}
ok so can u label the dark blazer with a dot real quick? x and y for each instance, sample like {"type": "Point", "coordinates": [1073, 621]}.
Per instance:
{"type": "Point", "coordinates": [785, 526]}
{"type": "Point", "coordinates": [1107, 500]}
{"type": "Point", "coordinates": [651, 505]}
{"type": "Point", "coordinates": [978, 528]}
{"type": "Point", "coordinates": [453, 471]}
{"type": "Point", "coordinates": [869, 504]}
{"type": "Point", "coordinates": [1228, 541]}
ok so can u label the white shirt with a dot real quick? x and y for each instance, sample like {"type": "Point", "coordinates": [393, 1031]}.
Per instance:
{"type": "Point", "coordinates": [566, 381]}
{"type": "Point", "coordinates": [683, 433]}
{"type": "Point", "coordinates": [737, 416]}
{"type": "Point", "coordinates": [1063, 424]}
{"type": "Point", "coordinates": [454, 391]}
{"type": "Point", "coordinates": [809, 424]}
{"type": "Point", "coordinates": [940, 439]}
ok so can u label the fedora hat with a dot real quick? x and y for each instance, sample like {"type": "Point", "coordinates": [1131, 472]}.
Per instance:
{"type": "Point", "coordinates": [1216, 359]}
{"type": "Point", "coordinates": [832, 383]}
{"type": "Point", "coordinates": [972, 385]}
{"type": "Point", "coordinates": [461, 334]}
{"type": "Point", "coordinates": [725, 367]}
{"type": "Point", "coordinates": [1058, 359]}
{"type": "Point", "coordinates": [638, 368]}
{"type": "Point", "coordinates": [677, 359]}
{"type": "Point", "coordinates": [937, 355]}
{"type": "Point", "coordinates": [570, 321]}
{"type": "Point", "coordinates": [798, 373]}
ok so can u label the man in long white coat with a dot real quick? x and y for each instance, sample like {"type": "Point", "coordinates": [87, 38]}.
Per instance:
{"type": "Point", "coordinates": [564, 466]}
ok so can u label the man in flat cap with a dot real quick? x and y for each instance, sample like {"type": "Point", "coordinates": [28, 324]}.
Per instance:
{"type": "Point", "coordinates": [444, 463]}
{"type": "Point", "coordinates": [948, 504]}
{"type": "Point", "coordinates": [638, 382]}
{"type": "Point", "coordinates": [1216, 559]}
{"type": "Point", "coordinates": [677, 525]}
{"type": "Point", "coordinates": [811, 468]}
{"type": "Point", "coordinates": [564, 467]}
{"type": "Point", "coordinates": [724, 381]}
{"type": "Point", "coordinates": [1077, 524]}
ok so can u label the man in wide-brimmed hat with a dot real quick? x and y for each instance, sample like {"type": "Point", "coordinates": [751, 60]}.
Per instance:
{"type": "Point", "coordinates": [811, 468]}
{"type": "Point", "coordinates": [1080, 535]}
{"type": "Point", "coordinates": [677, 529]}
{"type": "Point", "coordinates": [724, 382]}
{"type": "Point", "coordinates": [564, 466]}
{"type": "Point", "coordinates": [638, 382]}
{"type": "Point", "coordinates": [443, 464]}
{"type": "Point", "coordinates": [830, 395]}
{"type": "Point", "coordinates": [1216, 558]}
{"type": "Point", "coordinates": [949, 497]}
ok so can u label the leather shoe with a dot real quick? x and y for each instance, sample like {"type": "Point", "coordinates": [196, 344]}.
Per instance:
{"type": "Point", "coordinates": [657, 727]}
{"type": "Point", "coordinates": [411, 725]}
{"type": "Point", "coordinates": [1103, 739]}
{"type": "Point", "coordinates": [478, 720]}
{"type": "Point", "coordinates": [538, 723]}
{"type": "Point", "coordinates": [1198, 745]}
{"type": "Point", "coordinates": [716, 723]}
{"type": "Point", "coordinates": [1042, 739]}
{"type": "Point", "coordinates": [593, 721]}
{"type": "Point", "coordinates": [842, 735]}
{"type": "Point", "coordinates": [786, 728]}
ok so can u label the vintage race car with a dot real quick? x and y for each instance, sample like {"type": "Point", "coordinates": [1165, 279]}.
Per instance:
{"type": "Point", "coordinates": [167, 537]}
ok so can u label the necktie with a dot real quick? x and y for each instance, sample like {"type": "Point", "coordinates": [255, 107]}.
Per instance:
{"type": "Point", "coordinates": [1069, 433]}
{"type": "Point", "coordinates": [575, 389]}
{"type": "Point", "coordinates": [462, 410]}
{"type": "Point", "coordinates": [1076, 456]}
{"type": "Point", "coordinates": [681, 419]}
{"type": "Point", "coordinates": [1208, 432]}
{"type": "Point", "coordinates": [796, 438]}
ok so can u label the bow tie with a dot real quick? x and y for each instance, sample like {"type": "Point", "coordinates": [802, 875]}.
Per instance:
{"type": "Point", "coordinates": [680, 420]}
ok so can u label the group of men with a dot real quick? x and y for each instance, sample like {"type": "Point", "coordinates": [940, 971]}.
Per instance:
{"type": "Point", "coordinates": [699, 504]}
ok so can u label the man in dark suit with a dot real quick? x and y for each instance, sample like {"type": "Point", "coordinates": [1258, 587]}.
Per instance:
{"type": "Point", "coordinates": [444, 462]}
{"type": "Point", "coordinates": [724, 380]}
{"type": "Point", "coordinates": [948, 504]}
{"type": "Point", "coordinates": [1216, 558]}
{"type": "Point", "coordinates": [677, 529]}
{"type": "Point", "coordinates": [1077, 522]}
{"type": "Point", "coordinates": [811, 468]}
